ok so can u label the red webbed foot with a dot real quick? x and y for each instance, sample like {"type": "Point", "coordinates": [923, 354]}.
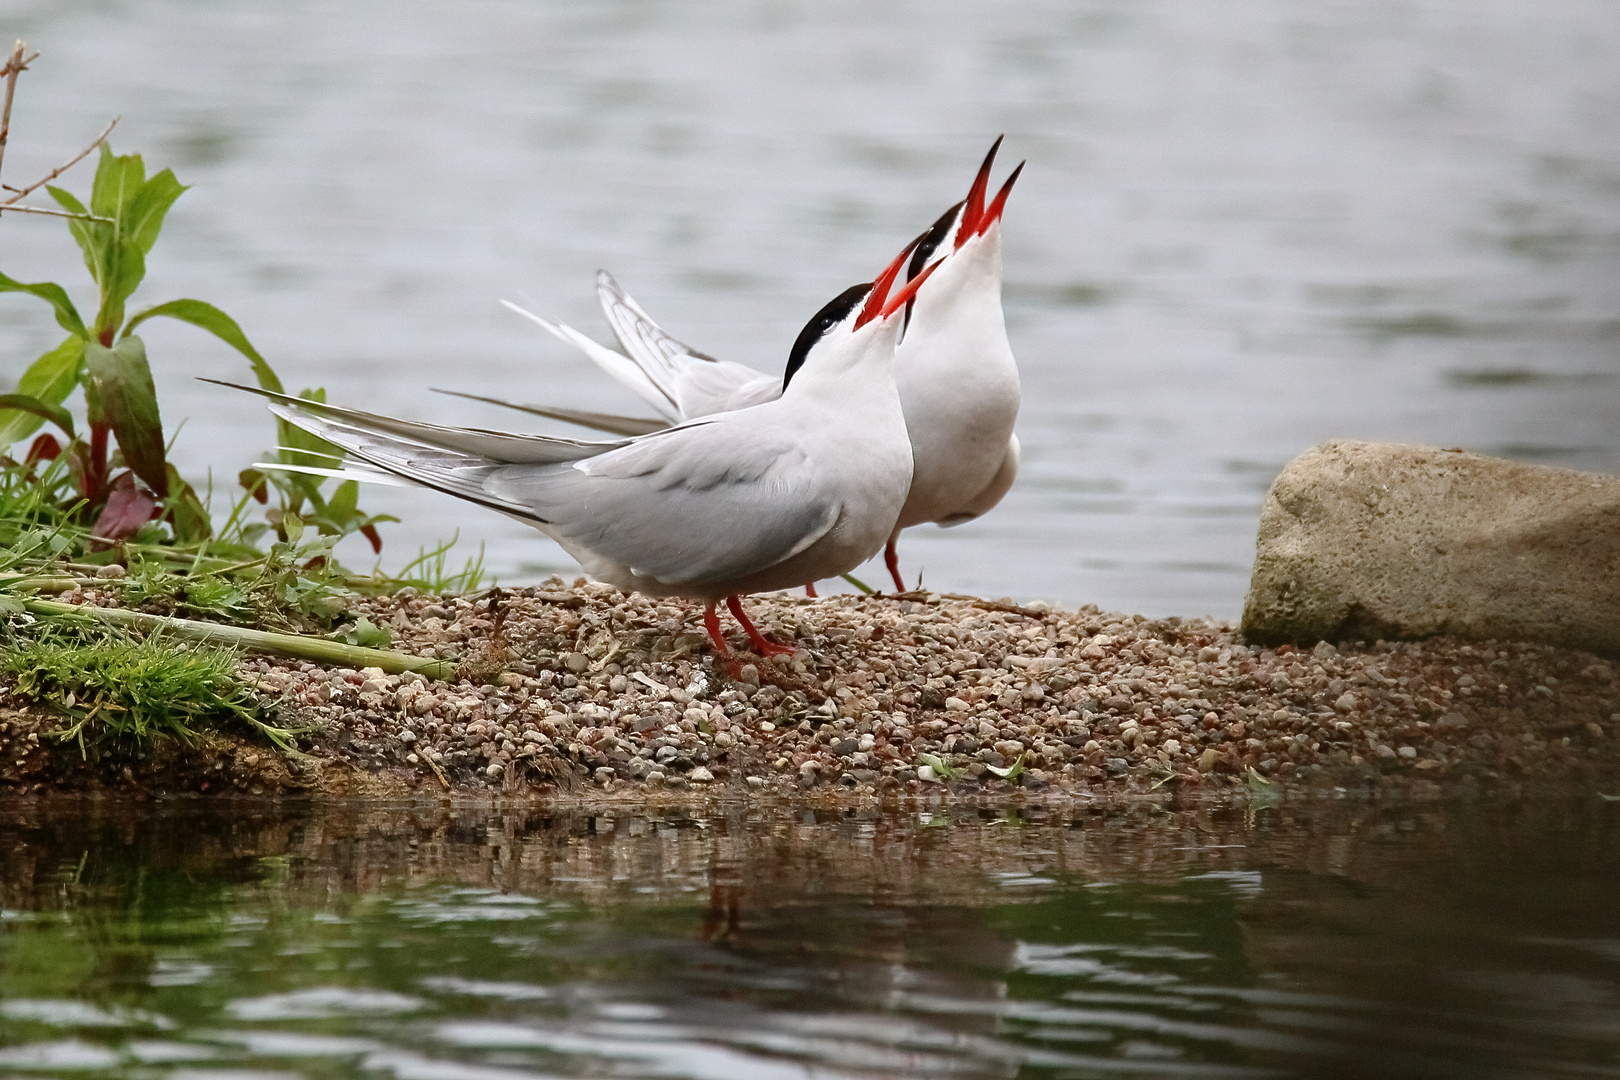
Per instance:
{"type": "Point", "coordinates": [761, 645]}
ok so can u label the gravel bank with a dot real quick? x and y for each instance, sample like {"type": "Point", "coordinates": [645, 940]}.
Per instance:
{"type": "Point", "coordinates": [581, 689]}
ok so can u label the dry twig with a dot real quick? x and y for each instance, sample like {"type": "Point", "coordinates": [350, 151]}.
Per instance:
{"type": "Point", "coordinates": [48, 212]}
{"type": "Point", "coordinates": [14, 67]}
{"type": "Point", "coordinates": [62, 168]}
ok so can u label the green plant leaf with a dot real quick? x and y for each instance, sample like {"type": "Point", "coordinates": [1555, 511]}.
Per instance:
{"type": "Point", "coordinates": [187, 513]}
{"type": "Point", "coordinates": [941, 769]}
{"type": "Point", "coordinates": [67, 316]}
{"type": "Point", "coordinates": [118, 179]}
{"type": "Point", "coordinates": [144, 218]}
{"type": "Point", "coordinates": [207, 317]}
{"type": "Point", "coordinates": [126, 396]}
{"type": "Point", "coordinates": [140, 220]}
{"type": "Point", "coordinates": [54, 413]}
{"type": "Point", "coordinates": [341, 507]}
{"type": "Point", "coordinates": [48, 380]}
{"type": "Point", "coordinates": [95, 238]}
{"type": "Point", "coordinates": [366, 633]}
{"type": "Point", "coordinates": [1011, 772]}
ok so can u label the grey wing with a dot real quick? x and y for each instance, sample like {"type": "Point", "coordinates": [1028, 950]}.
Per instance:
{"type": "Point", "coordinates": [695, 505]}
{"type": "Point", "coordinates": [696, 383]}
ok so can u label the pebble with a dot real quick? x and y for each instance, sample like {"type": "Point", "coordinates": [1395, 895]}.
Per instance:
{"type": "Point", "coordinates": [1089, 701]}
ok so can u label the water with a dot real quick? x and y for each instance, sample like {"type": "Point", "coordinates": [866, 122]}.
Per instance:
{"type": "Point", "coordinates": [1326, 939]}
{"type": "Point", "coordinates": [1247, 226]}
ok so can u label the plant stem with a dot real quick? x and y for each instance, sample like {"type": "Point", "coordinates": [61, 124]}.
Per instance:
{"type": "Point", "coordinates": [319, 650]}
{"type": "Point", "coordinates": [45, 583]}
{"type": "Point", "coordinates": [859, 584]}
{"type": "Point", "coordinates": [14, 68]}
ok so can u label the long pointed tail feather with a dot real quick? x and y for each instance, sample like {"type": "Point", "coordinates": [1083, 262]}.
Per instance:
{"type": "Point", "coordinates": [629, 426]}
{"type": "Point", "coordinates": [452, 472]}
{"type": "Point", "coordinates": [621, 369]}
{"type": "Point", "coordinates": [499, 446]}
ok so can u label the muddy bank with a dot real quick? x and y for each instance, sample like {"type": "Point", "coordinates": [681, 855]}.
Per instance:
{"type": "Point", "coordinates": [585, 693]}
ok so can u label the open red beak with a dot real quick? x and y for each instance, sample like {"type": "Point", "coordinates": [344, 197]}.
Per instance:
{"type": "Point", "coordinates": [909, 290]}
{"type": "Point", "coordinates": [875, 299]}
{"type": "Point", "coordinates": [993, 215]}
{"type": "Point", "coordinates": [973, 209]}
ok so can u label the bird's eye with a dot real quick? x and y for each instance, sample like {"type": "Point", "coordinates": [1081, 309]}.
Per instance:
{"type": "Point", "coordinates": [836, 311]}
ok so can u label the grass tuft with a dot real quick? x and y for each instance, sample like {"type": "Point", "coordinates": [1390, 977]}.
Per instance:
{"type": "Point", "coordinates": [112, 686]}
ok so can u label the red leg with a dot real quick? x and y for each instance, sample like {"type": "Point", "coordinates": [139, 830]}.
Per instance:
{"type": "Point", "coordinates": [711, 623]}
{"type": "Point", "coordinates": [891, 559]}
{"type": "Point", "coordinates": [765, 648]}
{"type": "Point", "coordinates": [810, 590]}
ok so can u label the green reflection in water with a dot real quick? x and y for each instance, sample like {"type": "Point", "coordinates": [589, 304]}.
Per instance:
{"type": "Point", "coordinates": [432, 944]}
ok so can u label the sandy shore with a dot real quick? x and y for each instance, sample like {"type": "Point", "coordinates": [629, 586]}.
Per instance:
{"type": "Point", "coordinates": [583, 692]}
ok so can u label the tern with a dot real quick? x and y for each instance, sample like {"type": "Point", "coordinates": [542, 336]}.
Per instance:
{"type": "Point", "coordinates": [799, 488]}
{"type": "Point", "coordinates": [957, 378]}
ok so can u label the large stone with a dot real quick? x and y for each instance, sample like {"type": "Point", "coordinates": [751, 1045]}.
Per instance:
{"type": "Point", "coordinates": [1378, 540]}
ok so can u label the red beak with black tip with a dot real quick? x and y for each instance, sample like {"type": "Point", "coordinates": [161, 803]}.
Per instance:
{"type": "Point", "coordinates": [875, 300]}
{"type": "Point", "coordinates": [993, 215]}
{"type": "Point", "coordinates": [974, 209]}
{"type": "Point", "coordinates": [909, 289]}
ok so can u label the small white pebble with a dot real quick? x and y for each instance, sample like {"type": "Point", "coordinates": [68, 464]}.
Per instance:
{"type": "Point", "coordinates": [1407, 752]}
{"type": "Point", "coordinates": [766, 725]}
{"type": "Point", "coordinates": [494, 771]}
{"type": "Point", "coordinates": [925, 773]}
{"type": "Point", "coordinates": [756, 781]}
{"type": "Point", "coordinates": [699, 775]}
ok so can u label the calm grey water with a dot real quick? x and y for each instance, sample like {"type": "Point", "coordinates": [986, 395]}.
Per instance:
{"type": "Point", "coordinates": [1327, 939]}
{"type": "Point", "coordinates": [1247, 226]}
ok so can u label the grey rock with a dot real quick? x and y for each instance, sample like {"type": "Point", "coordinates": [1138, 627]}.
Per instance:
{"type": "Point", "coordinates": [1380, 540]}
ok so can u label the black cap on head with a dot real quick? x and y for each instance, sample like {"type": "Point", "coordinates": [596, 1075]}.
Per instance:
{"type": "Point", "coordinates": [927, 244]}
{"type": "Point", "coordinates": [835, 311]}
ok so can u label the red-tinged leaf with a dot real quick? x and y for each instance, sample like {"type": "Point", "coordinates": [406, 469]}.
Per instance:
{"type": "Point", "coordinates": [370, 533]}
{"type": "Point", "coordinates": [126, 396]}
{"type": "Point", "coordinates": [256, 484]}
{"type": "Point", "coordinates": [45, 448]}
{"type": "Point", "coordinates": [128, 508]}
